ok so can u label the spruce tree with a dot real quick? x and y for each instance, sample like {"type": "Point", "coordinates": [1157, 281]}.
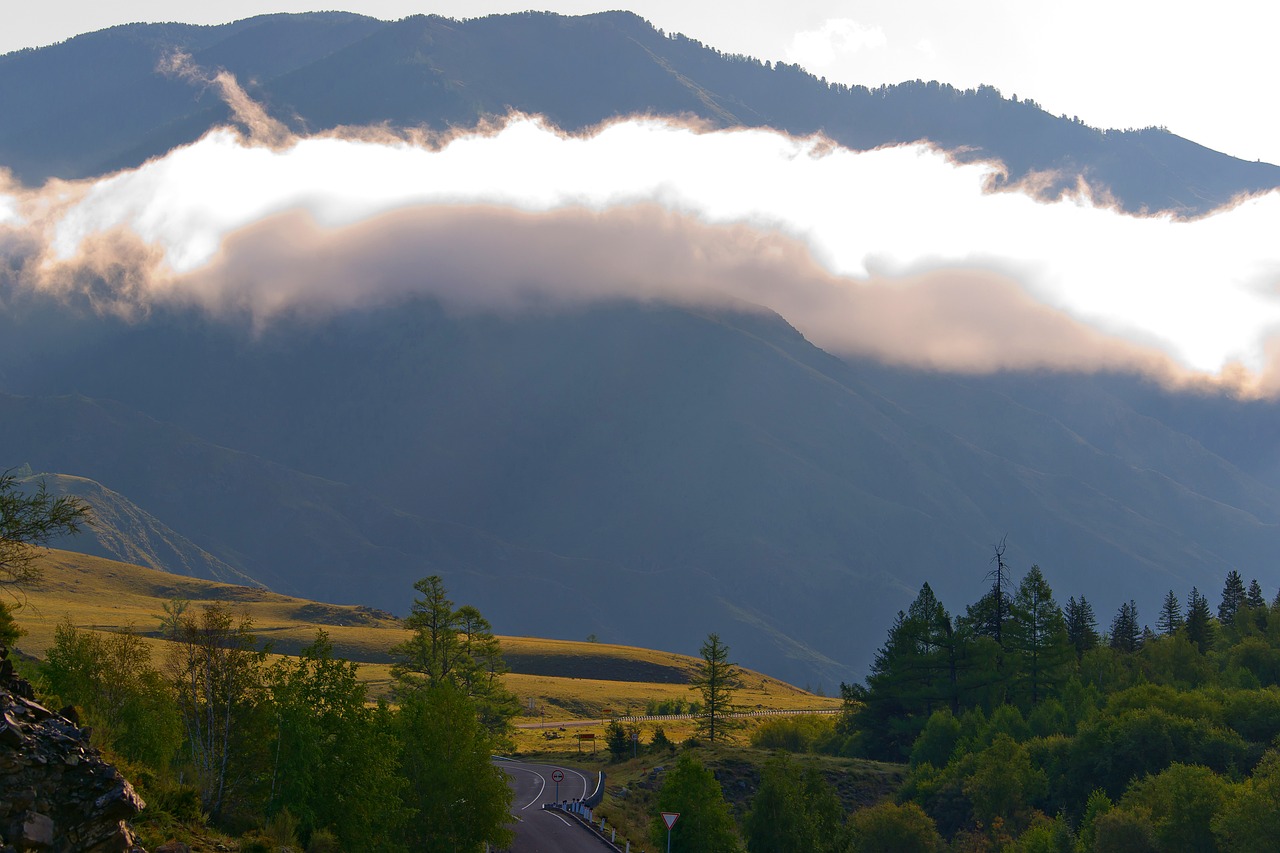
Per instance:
{"type": "Point", "coordinates": [1082, 625]}
{"type": "Point", "coordinates": [1255, 599]}
{"type": "Point", "coordinates": [1126, 635]}
{"type": "Point", "coordinates": [1233, 598]}
{"type": "Point", "coordinates": [1170, 619]}
{"type": "Point", "coordinates": [1199, 623]}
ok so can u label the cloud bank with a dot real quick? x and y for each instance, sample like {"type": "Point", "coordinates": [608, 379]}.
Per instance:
{"type": "Point", "coordinates": [897, 253]}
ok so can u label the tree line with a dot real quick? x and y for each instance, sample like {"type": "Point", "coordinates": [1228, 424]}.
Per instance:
{"type": "Point", "coordinates": [219, 730]}
{"type": "Point", "coordinates": [1025, 727]}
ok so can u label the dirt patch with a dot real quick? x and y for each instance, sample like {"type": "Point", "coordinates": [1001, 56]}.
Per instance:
{"type": "Point", "coordinates": [596, 667]}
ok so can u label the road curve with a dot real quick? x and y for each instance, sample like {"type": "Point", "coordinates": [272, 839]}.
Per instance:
{"type": "Point", "coordinates": [539, 831]}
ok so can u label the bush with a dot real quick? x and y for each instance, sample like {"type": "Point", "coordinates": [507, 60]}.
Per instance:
{"type": "Point", "coordinates": [793, 734]}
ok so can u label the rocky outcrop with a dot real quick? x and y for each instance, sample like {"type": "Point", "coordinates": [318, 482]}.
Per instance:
{"type": "Point", "coordinates": [56, 792]}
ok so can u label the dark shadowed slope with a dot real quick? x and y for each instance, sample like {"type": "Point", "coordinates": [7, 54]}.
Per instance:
{"type": "Point", "coordinates": [96, 102]}
{"type": "Point", "coordinates": [666, 472]}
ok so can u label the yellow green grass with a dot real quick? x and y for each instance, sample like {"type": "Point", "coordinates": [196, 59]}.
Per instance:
{"type": "Point", "coordinates": [557, 679]}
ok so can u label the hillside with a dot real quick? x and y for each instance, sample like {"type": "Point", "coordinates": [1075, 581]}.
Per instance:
{"type": "Point", "coordinates": [647, 474]}
{"type": "Point", "coordinates": [95, 103]}
{"type": "Point", "coordinates": [121, 530]}
{"type": "Point", "coordinates": [564, 678]}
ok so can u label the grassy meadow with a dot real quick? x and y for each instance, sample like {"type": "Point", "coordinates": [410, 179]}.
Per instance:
{"type": "Point", "coordinates": [556, 680]}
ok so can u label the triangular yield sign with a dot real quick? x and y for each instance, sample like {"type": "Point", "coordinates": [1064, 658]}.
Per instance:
{"type": "Point", "coordinates": [669, 818]}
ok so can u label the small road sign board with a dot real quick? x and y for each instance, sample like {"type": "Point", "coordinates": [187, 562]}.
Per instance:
{"type": "Point", "coordinates": [557, 775]}
{"type": "Point", "coordinates": [670, 818]}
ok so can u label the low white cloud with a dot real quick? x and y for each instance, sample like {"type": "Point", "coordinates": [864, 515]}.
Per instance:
{"type": "Point", "coordinates": [898, 253]}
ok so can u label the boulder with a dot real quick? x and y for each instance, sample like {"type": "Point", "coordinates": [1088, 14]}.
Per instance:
{"type": "Point", "coordinates": [57, 794]}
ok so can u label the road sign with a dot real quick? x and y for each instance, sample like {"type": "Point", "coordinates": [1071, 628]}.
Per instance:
{"type": "Point", "coordinates": [557, 775]}
{"type": "Point", "coordinates": [670, 818]}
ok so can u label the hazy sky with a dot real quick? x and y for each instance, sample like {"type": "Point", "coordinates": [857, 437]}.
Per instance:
{"type": "Point", "coordinates": [1205, 72]}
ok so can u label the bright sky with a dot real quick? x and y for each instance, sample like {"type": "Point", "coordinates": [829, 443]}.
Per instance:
{"type": "Point", "coordinates": [1205, 72]}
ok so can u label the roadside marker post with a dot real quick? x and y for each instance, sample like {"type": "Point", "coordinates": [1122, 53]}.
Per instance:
{"type": "Point", "coordinates": [670, 818]}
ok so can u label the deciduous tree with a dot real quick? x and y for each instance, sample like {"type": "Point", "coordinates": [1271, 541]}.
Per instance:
{"type": "Point", "coordinates": [335, 761]}
{"type": "Point", "coordinates": [705, 824]}
{"type": "Point", "coordinates": [459, 799]}
{"type": "Point", "coordinates": [216, 671]}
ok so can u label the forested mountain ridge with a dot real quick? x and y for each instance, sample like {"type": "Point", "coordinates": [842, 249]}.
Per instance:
{"type": "Point", "coordinates": [97, 102]}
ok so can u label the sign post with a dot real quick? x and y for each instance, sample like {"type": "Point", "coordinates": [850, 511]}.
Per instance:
{"type": "Point", "coordinates": [557, 776]}
{"type": "Point", "coordinates": [670, 818]}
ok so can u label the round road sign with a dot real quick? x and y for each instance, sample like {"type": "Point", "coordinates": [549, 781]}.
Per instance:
{"type": "Point", "coordinates": [557, 775]}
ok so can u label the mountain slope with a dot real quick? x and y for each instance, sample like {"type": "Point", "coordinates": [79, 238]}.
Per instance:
{"type": "Point", "coordinates": [96, 102]}
{"type": "Point", "coordinates": [667, 471]}
{"type": "Point", "coordinates": [121, 530]}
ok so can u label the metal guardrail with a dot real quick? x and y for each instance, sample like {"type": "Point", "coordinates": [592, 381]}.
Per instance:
{"type": "Point", "coordinates": [643, 718]}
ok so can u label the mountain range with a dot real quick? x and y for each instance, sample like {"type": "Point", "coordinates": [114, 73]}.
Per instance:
{"type": "Point", "coordinates": [643, 472]}
{"type": "Point", "coordinates": [96, 102]}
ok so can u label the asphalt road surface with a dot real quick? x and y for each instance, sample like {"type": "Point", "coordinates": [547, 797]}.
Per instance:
{"type": "Point", "coordinates": [539, 831]}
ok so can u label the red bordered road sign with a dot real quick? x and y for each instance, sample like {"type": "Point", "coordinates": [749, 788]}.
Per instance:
{"type": "Point", "coordinates": [557, 775]}
{"type": "Point", "coordinates": [670, 818]}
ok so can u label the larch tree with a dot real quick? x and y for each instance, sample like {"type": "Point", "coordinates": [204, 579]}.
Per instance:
{"type": "Point", "coordinates": [1036, 639]}
{"type": "Point", "coordinates": [455, 647]}
{"type": "Point", "coordinates": [717, 679]}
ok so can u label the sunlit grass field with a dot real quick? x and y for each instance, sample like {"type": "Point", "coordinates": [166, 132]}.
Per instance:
{"type": "Point", "coordinates": [556, 680]}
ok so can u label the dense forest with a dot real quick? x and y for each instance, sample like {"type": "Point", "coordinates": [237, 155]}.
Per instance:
{"type": "Point", "coordinates": [1028, 728]}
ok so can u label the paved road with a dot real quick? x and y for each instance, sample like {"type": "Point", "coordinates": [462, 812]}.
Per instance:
{"type": "Point", "coordinates": [539, 831]}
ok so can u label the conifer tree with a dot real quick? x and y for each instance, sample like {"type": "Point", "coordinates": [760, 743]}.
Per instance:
{"type": "Point", "coordinates": [716, 679]}
{"type": "Point", "coordinates": [1170, 619]}
{"type": "Point", "coordinates": [456, 647]}
{"type": "Point", "coordinates": [1126, 635]}
{"type": "Point", "coordinates": [1036, 639]}
{"type": "Point", "coordinates": [1082, 625]}
{"type": "Point", "coordinates": [1255, 599]}
{"type": "Point", "coordinates": [1233, 598]}
{"type": "Point", "coordinates": [1199, 623]}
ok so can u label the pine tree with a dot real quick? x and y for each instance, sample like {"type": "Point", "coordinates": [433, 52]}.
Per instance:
{"type": "Point", "coordinates": [1170, 619]}
{"type": "Point", "coordinates": [1233, 598]}
{"type": "Point", "coordinates": [1126, 635]}
{"type": "Point", "coordinates": [1082, 625]}
{"type": "Point", "coordinates": [1199, 624]}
